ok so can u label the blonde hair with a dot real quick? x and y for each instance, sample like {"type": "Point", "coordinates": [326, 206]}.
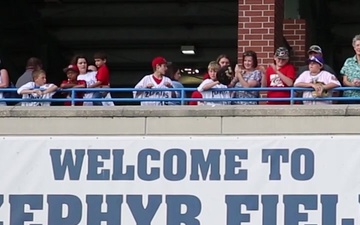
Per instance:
{"type": "Point", "coordinates": [37, 73]}
{"type": "Point", "coordinates": [213, 65]}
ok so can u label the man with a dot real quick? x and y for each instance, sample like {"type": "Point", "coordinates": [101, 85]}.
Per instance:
{"type": "Point", "coordinates": [31, 65]}
{"type": "Point", "coordinates": [315, 50]}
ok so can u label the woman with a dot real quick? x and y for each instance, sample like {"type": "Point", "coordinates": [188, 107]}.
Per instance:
{"type": "Point", "coordinates": [246, 76]}
{"type": "Point", "coordinates": [88, 76]}
{"type": "Point", "coordinates": [173, 72]}
{"type": "Point", "coordinates": [278, 75]}
{"type": "Point", "coordinates": [223, 60]}
{"type": "Point", "coordinates": [351, 73]}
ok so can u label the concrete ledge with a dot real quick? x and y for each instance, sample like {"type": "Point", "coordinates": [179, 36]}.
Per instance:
{"type": "Point", "coordinates": [182, 111]}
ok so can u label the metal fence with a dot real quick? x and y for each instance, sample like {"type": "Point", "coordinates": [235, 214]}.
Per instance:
{"type": "Point", "coordinates": [184, 93]}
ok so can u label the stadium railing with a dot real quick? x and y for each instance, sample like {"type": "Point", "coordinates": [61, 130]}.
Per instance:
{"type": "Point", "coordinates": [183, 97]}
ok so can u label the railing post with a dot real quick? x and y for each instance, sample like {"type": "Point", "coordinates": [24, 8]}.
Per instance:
{"type": "Point", "coordinates": [72, 97]}
{"type": "Point", "coordinates": [292, 96]}
{"type": "Point", "coordinates": [182, 96]}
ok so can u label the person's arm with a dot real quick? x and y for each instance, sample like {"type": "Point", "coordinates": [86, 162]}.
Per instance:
{"type": "Point", "coordinates": [288, 81]}
{"type": "Point", "coordinates": [247, 84]}
{"type": "Point", "coordinates": [51, 89]}
{"type": "Point", "coordinates": [347, 83]}
{"type": "Point", "coordinates": [95, 85]}
{"type": "Point", "coordinates": [4, 78]}
{"type": "Point", "coordinates": [141, 85]}
{"type": "Point", "coordinates": [264, 79]}
{"type": "Point", "coordinates": [208, 86]}
{"type": "Point", "coordinates": [65, 84]}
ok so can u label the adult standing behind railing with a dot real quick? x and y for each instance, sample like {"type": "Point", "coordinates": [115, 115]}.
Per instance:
{"type": "Point", "coordinates": [246, 76]}
{"type": "Point", "coordinates": [155, 80]}
{"type": "Point", "coordinates": [32, 64]}
{"type": "Point", "coordinates": [173, 72]}
{"type": "Point", "coordinates": [351, 72]}
{"type": "Point", "coordinates": [280, 74]}
{"type": "Point", "coordinates": [4, 81]}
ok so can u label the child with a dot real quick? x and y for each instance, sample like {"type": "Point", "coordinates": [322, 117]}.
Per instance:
{"type": "Point", "coordinates": [102, 77]}
{"type": "Point", "coordinates": [37, 89]}
{"type": "Point", "coordinates": [279, 75]}
{"type": "Point", "coordinates": [212, 83]}
{"type": "Point", "coordinates": [72, 73]}
{"type": "Point", "coordinates": [153, 81]}
{"type": "Point", "coordinates": [321, 80]}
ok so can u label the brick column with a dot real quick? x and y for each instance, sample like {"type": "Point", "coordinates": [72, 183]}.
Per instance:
{"type": "Point", "coordinates": [257, 23]}
{"type": "Point", "coordinates": [295, 32]}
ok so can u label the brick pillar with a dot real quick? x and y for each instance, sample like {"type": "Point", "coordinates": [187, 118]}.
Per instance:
{"type": "Point", "coordinates": [257, 23]}
{"type": "Point", "coordinates": [295, 32]}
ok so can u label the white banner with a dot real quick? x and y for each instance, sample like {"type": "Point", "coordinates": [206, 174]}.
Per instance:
{"type": "Point", "coordinates": [179, 180]}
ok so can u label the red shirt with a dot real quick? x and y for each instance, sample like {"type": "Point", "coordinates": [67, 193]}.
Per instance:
{"type": "Point", "coordinates": [103, 75]}
{"type": "Point", "coordinates": [78, 94]}
{"type": "Point", "coordinates": [273, 80]}
{"type": "Point", "coordinates": [195, 94]}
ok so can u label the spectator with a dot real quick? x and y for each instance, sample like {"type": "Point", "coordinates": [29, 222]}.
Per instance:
{"type": "Point", "coordinates": [153, 81]}
{"type": "Point", "coordinates": [72, 73]}
{"type": "Point", "coordinates": [4, 83]}
{"type": "Point", "coordinates": [37, 89]}
{"type": "Point", "coordinates": [223, 60]}
{"type": "Point", "coordinates": [173, 72]}
{"type": "Point", "coordinates": [92, 68]}
{"type": "Point", "coordinates": [102, 77]}
{"type": "Point", "coordinates": [31, 65]}
{"type": "Point", "coordinates": [315, 50]}
{"type": "Point", "coordinates": [279, 75]}
{"type": "Point", "coordinates": [316, 77]}
{"type": "Point", "coordinates": [247, 76]}
{"type": "Point", "coordinates": [351, 73]}
{"type": "Point", "coordinates": [88, 76]}
{"type": "Point", "coordinates": [213, 83]}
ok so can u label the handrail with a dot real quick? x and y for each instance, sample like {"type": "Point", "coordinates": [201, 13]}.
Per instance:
{"type": "Point", "coordinates": [183, 99]}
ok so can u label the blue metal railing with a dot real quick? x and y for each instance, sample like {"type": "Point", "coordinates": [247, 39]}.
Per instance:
{"type": "Point", "coordinates": [183, 99]}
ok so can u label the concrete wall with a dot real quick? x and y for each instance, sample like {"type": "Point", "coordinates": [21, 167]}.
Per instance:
{"type": "Point", "coordinates": [185, 120]}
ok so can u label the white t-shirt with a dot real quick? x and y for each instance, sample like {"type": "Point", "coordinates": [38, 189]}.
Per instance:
{"type": "Point", "coordinates": [31, 85]}
{"type": "Point", "coordinates": [214, 94]}
{"type": "Point", "coordinates": [324, 78]}
{"type": "Point", "coordinates": [148, 79]}
{"type": "Point", "coordinates": [90, 79]}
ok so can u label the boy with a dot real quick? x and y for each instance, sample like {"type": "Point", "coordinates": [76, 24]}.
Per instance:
{"type": "Point", "coordinates": [153, 81]}
{"type": "Point", "coordinates": [212, 83]}
{"type": "Point", "coordinates": [319, 79]}
{"type": "Point", "coordinates": [37, 89]}
{"type": "Point", "coordinates": [72, 72]}
{"type": "Point", "coordinates": [102, 77]}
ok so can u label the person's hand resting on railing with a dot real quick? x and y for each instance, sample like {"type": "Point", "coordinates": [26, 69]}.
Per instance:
{"type": "Point", "coordinates": [318, 90]}
{"type": "Point", "coordinates": [149, 85]}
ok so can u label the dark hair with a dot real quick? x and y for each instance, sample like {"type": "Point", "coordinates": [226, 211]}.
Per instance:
{"type": "Point", "coordinates": [253, 56]}
{"type": "Point", "coordinates": [171, 71]}
{"type": "Point", "coordinates": [34, 63]}
{"type": "Point", "coordinates": [100, 55]}
{"type": "Point", "coordinates": [75, 59]}
{"type": "Point", "coordinates": [222, 56]}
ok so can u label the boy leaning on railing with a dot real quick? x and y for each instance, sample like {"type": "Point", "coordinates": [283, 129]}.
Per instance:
{"type": "Point", "coordinates": [37, 89]}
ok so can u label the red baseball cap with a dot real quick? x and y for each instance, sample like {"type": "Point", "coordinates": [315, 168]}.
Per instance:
{"type": "Point", "coordinates": [73, 68]}
{"type": "Point", "coordinates": [158, 61]}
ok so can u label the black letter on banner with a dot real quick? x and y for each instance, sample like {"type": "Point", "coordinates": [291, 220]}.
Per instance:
{"type": "Point", "coordinates": [143, 215]}
{"type": "Point", "coordinates": [113, 215]}
{"type": "Point", "coordinates": [198, 161]}
{"type": "Point", "coordinates": [74, 209]}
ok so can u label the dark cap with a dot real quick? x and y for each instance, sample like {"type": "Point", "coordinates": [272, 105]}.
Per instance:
{"type": "Point", "coordinates": [282, 53]}
{"type": "Point", "coordinates": [72, 68]}
{"type": "Point", "coordinates": [315, 48]}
